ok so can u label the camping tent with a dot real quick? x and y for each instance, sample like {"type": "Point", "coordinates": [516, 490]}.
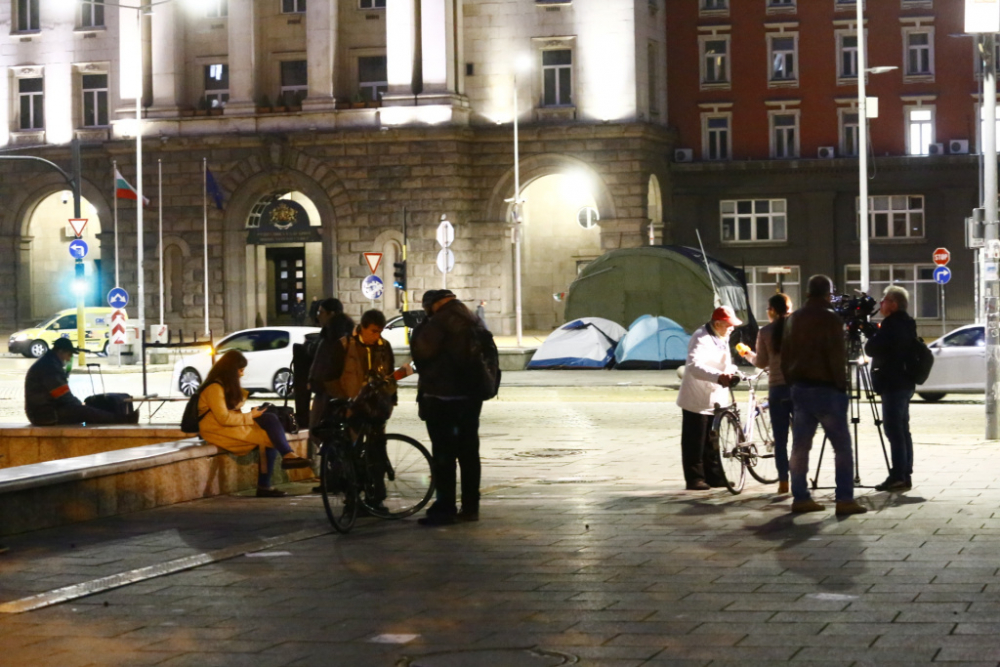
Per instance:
{"type": "Point", "coordinates": [588, 342]}
{"type": "Point", "coordinates": [652, 342]}
{"type": "Point", "coordinates": [672, 281]}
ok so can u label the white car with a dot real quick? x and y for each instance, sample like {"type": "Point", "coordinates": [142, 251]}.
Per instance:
{"type": "Point", "coordinates": [269, 360]}
{"type": "Point", "coordinates": [395, 333]}
{"type": "Point", "coordinates": [959, 364]}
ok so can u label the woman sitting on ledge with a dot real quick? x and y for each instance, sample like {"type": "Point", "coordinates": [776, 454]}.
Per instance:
{"type": "Point", "coordinates": [224, 425]}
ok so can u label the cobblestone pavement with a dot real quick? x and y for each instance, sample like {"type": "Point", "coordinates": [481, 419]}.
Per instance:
{"type": "Point", "coordinates": [587, 551]}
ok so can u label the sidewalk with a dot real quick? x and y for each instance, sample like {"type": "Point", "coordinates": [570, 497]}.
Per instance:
{"type": "Point", "coordinates": [587, 548]}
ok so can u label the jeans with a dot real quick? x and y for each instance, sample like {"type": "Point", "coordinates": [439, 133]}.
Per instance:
{"type": "Point", "coordinates": [896, 424]}
{"type": "Point", "coordinates": [826, 406]}
{"type": "Point", "coordinates": [698, 455]}
{"type": "Point", "coordinates": [276, 434]}
{"type": "Point", "coordinates": [779, 401]}
{"type": "Point", "coordinates": [453, 427]}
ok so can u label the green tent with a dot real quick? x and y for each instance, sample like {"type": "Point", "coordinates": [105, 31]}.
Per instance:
{"type": "Point", "coordinates": [667, 281]}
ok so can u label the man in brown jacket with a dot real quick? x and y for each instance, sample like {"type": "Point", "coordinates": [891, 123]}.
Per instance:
{"type": "Point", "coordinates": [814, 363]}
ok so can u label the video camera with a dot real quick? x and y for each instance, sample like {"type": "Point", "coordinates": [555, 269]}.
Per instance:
{"type": "Point", "coordinates": [856, 311]}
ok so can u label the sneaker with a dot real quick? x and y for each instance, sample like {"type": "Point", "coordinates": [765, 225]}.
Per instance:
{"type": "Point", "coordinates": [700, 485]}
{"type": "Point", "coordinates": [265, 492]}
{"type": "Point", "coordinates": [467, 517]}
{"type": "Point", "coordinates": [850, 507]}
{"type": "Point", "coordinates": [782, 487]}
{"type": "Point", "coordinates": [437, 520]}
{"type": "Point", "coordinates": [890, 484]}
{"type": "Point", "coordinates": [803, 506]}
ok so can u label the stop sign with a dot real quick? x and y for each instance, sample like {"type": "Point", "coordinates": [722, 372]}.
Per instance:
{"type": "Point", "coordinates": [941, 256]}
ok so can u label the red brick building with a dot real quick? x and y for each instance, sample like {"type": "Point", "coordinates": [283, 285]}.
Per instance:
{"type": "Point", "coordinates": [763, 95]}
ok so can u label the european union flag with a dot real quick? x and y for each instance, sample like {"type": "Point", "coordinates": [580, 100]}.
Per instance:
{"type": "Point", "coordinates": [214, 191]}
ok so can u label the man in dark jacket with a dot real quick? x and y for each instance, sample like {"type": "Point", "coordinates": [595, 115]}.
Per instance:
{"type": "Point", "coordinates": [48, 399]}
{"type": "Point", "coordinates": [814, 363]}
{"type": "Point", "coordinates": [335, 325]}
{"type": "Point", "coordinates": [889, 347]}
{"type": "Point", "coordinates": [438, 347]}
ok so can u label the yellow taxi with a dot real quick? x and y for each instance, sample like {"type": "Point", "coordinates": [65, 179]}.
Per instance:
{"type": "Point", "coordinates": [36, 341]}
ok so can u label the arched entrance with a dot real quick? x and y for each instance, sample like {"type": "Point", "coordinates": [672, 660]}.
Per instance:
{"type": "Point", "coordinates": [561, 235]}
{"type": "Point", "coordinates": [286, 268]}
{"type": "Point", "coordinates": [49, 272]}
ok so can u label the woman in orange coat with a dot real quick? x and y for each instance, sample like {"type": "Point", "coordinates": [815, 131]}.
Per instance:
{"type": "Point", "coordinates": [224, 425]}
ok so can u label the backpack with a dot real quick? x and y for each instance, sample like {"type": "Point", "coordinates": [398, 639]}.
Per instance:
{"type": "Point", "coordinates": [919, 361]}
{"type": "Point", "coordinates": [484, 364]}
{"type": "Point", "coordinates": [191, 419]}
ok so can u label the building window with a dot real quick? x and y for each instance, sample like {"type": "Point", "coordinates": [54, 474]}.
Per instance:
{"type": "Point", "coordinates": [780, 3]}
{"type": "Point", "coordinates": [919, 130]}
{"type": "Point", "coordinates": [373, 79]}
{"type": "Point", "coordinates": [761, 285]}
{"type": "Point", "coordinates": [557, 77]}
{"type": "Point", "coordinates": [849, 132]}
{"type": "Point", "coordinates": [95, 100]}
{"type": "Point", "coordinates": [919, 52]}
{"type": "Point", "coordinates": [217, 85]}
{"type": "Point", "coordinates": [714, 5]}
{"type": "Point", "coordinates": [847, 60]}
{"type": "Point", "coordinates": [753, 220]}
{"type": "Point", "coordinates": [27, 15]}
{"type": "Point", "coordinates": [92, 14]}
{"type": "Point", "coordinates": [895, 217]}
{"type": "Point", "coordinates": [917, 279]}
{"type": "Point", "coordinates": [293, 6]}
{"type": "Point", "coordinates": [32, 104]}
{"type": "Point", "coordinates": [783, 58]}
{"type": "Point", "coordinates": [216, 9]}
{"type": "Point", "coordinates": [715, 143]}
{"type": "Point", "coordinates": [294, 82]}
{"type": "Point", "coordinates": [715, 61]}
{"type": "Point", "coordinates": [372, 4]}
{"type": "Point", "coordinates": [784, 134]}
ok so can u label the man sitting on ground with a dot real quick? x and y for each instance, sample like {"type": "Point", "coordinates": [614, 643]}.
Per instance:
{"type": "Point", "coordinates": [48, 400]}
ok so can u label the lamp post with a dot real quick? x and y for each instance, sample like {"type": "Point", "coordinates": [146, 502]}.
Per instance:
{"type": "Point", "coordinates": [522, 64]}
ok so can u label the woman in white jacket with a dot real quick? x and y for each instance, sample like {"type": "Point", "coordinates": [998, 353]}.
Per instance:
{"type": "Point", "coordinates": [708, 374]}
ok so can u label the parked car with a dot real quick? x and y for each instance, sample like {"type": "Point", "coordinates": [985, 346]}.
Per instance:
{"type": "Point", "coordinates": [395, 333]}
{"type": "Point", "coordinates": [269, 360]}
{"type": "Point", "coordinates": [959, 364]}
{"type": "Point", "coordinates": [35, 341]}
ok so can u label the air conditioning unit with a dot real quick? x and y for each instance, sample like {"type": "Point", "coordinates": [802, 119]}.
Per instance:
{"type": "Point", "coordinates": [683, 155]}
{"type": "Point", "coordinates": [958, 146]}
{"type": "Point", "coordinates": [935, 149]}
{"type": "Point", "coordinates": [826, 152]}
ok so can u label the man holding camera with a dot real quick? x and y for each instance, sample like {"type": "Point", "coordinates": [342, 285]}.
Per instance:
{"type": "Point", "coordinates": [889, 347]}
{"type": "Point", "coordinates": [814, 363]}
{"type": "Point", "coordinates": [708, 374]}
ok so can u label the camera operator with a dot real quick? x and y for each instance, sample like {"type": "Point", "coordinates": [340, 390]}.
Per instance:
{"type": "Point", "coordinates": [708, 374]}
{"type": "Point", "coordinates": [888, 347]}
{"type": "Point", "coordinates": [814, 363]}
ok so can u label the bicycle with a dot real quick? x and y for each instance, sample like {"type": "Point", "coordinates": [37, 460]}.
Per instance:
{"type": "Point", "coordinates": [745, 447]}
{"type": "Point", "coordinates": [388, 475]}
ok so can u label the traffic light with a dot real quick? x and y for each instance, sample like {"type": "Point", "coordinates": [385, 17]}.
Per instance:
{"type": "Point", "coordinates": [400, 275]}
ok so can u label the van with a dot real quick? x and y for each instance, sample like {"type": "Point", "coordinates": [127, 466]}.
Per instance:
{"type": "Point", "coordinates": [36, 341]}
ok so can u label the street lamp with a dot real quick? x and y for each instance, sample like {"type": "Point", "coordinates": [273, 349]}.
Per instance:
{"type": "Point", "coordinates": [522, 64]}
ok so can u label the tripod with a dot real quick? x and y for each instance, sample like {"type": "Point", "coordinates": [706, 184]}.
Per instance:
{"type": "Point", "coordinates": [859, 380]}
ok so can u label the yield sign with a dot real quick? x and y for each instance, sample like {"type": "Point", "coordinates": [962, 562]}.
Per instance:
{"type": "Point", "coordinates": [78, 225]}
{"type": "Point", "coordinates": [373, 259]}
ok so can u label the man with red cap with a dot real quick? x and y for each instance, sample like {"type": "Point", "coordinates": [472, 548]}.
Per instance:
{"type": "Point", "coordinates": [708, 374]}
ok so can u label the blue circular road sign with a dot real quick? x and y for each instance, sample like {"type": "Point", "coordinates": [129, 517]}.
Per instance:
{"type": "Point", "coordinates": [942, 275]}
{"type": "Point", "coordinates": [118, 298]}
{"type": "Point", "coordinates": [372, 288]}
{"type": "Point", "coordinates": [78, 249]}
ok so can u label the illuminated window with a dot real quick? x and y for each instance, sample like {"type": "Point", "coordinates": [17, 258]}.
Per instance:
{"type": "Point", "coordinates": [557, 77]}
{"type": "Point", "coordinates": [753, 220]}
{"type": "Point", "coordinates": [784, 134]}
{"type": "Point", "coordinates": [293, 6]}
{"type": "Point", "coordinates": [848, 132]}
{"type": "Point", "coordinates": [919, 130]}
{"type": "Point", "coordinates": [716, 142]}
{"type": "Point", "coordinates": [715, 61]}
{"type": "Point", "coordinates": [31, 99]}
{"type": "Point", "coordinates": [27, 15]}
{"type": "Point", "coordinates": [92, 14]}
{"type": "Point", "coordinates": [783, 58]}
{"type": "Point", "coordinates": [95, 100]}
{"type": "Point", "coordinates": [895, 216]}
{"type": "Point", "coordinates": [217, 85]}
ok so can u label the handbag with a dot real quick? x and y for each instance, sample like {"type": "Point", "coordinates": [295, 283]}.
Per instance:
{"type": "Point", "coordinates": [285, 415]}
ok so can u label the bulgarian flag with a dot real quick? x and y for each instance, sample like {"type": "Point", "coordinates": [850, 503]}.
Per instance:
{"type": "Point", "coordinates": [125, 191]}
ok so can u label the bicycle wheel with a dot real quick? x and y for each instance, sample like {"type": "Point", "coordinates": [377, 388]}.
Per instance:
{"type": "Point", "coordinates": [728, 437]}
{"type": "Point", "coordinates": [399, 479]}
{"type": "Point", "coordinates": [761, 462]}
{"type": "Point", "coordinates": [338, 481]}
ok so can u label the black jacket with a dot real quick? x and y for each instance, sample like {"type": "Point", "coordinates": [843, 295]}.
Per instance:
{"type": "Point", "coordinates": [328, 350]}
{"type": "Point", "coordinates": [890, 347]}
{"type": "Point", "coordinates": [440, 349]}
{"type": "Point", "coordinates": [46, 388]}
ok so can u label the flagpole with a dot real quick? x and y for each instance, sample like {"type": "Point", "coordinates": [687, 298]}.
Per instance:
{"type": "Point", "coordinates": [159, 196]}
{"type": "Point", "coordinates": [141, 278]}
{"type": "Point", "coordinates": [204, 208]}
{"type": "Point", "coordinates": [114, 194]}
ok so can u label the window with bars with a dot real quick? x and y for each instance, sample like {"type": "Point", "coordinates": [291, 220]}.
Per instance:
{"type": "Point", "coordinates": [715, 56]}
{"type": "Point", "coordinates": [557, 77]}
{"type": "Point", "coordinates": [715, 140]}
{"type": "Point", "coordinates": [895, 216]}
{"type": "Point", "coordinates": [92, 14]}
{"type": "Point", "coordinates": [95, 100]}
{"type": "Point", "coordinates": [917, 279]}
{"type": "Point", "coordinates": [217, 85]}
{"type": "Point", "coordinates": [783, 59]}
{"type": "Point", "coordinates": [784, 135]}
{"type": "Point", "coordinates": [27, 15]}
{"type": "Point", "coordinates": [293, 6]}
{"type": "Point", "coordinates": [31, 101]}
{"type": "Point", "coordinates": [753, 220]}
{"type": "Point", "coordinates": [373, 78]}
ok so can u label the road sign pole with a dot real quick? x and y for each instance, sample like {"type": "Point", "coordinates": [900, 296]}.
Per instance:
{"type": "Point", "coordinates": [943, 328]}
